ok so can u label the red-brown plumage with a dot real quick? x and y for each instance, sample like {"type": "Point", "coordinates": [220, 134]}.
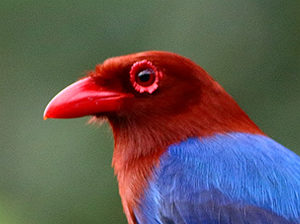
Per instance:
{"type": "Point", "coordinates": [187, 103]}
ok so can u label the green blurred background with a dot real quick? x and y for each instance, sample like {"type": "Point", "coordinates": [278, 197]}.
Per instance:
{"type": "Point", "coordinates": [59, 171]}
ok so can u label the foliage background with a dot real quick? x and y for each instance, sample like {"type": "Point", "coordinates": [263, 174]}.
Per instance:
{"type": "Point", "coordinates": [59, 171]}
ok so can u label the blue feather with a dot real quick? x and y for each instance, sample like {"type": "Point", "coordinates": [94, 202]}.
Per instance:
{"type": "Point", "coordinates": [235, 178]}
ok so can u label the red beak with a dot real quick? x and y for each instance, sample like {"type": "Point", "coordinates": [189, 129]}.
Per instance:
{"type": "Point", "coordinates": [82, 98]}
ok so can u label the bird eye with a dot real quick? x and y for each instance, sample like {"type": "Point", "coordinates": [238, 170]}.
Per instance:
{"type": "Point", "coordinates": [144, 76]}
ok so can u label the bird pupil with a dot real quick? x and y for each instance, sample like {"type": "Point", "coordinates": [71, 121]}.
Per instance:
{"type": "Point", "coordinates": [145, 75]}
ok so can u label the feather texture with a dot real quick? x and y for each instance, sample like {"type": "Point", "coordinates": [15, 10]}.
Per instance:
{"type": "Point", "coordinates": [185, 152]}
{"type": "Point", "coordinates": [234, 178]}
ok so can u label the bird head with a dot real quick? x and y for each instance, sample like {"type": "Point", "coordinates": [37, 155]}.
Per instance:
{"type": "Point", "coordinates": [154, 89]}
{"type": "Point", "coordinates": [137, 86]}
{"type": "Point", "coordinates": [151, 99]}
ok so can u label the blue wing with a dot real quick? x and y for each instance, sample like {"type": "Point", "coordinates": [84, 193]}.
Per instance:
{"type": "Point", "coordinates": [225, 179]}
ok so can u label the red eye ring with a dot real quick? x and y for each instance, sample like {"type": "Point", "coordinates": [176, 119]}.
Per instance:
{"type": "Point", "coordinates": [144, 76]}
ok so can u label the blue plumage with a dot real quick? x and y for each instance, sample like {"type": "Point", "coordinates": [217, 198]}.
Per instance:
{"type": "Point", "coordinates": [234, 178]}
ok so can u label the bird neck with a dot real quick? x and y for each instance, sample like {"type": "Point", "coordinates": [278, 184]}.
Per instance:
{"type": "Point", "coordinates": [140, 141]}
{"type": "Point", "coordinates": [147, 135]}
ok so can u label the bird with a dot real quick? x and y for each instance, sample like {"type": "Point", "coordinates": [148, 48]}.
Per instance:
{"type": "Point", "coordinates": [184, 150]}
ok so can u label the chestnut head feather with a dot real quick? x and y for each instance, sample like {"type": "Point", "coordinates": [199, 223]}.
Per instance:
{"type": "Point", "coordinates": [181, 93]}
{"type": "Point", "coordinates": [152, 100]}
